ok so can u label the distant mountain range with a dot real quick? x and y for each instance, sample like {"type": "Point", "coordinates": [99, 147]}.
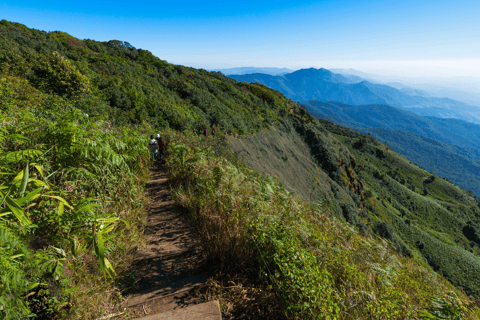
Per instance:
{"type": "Point", "coordinates": [463, 89]}
{"type": "Point", "coordinates": [449, 148]}
{"type": "Point", "coordinates": [324, 85]}
{"type": "Point", "coordinates": [247, 70]}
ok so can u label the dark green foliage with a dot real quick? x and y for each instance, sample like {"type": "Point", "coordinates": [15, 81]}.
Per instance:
{"type": "Point", "coordinates": [449, 148]}
{"type": "Point", "coordinates": [325, 150]}
{"type": "Point", "coordinates": [417, 211]}
{"type": "Point", "coordinates": [132, 85]}
{"type": "Point", "coordinates": [385, 231]}
{"type": "Point", "coordinates": [471, 232]}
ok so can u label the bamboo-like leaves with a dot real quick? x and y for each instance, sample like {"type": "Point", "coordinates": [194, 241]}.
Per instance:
{"type": "Point", "coordinates": [18, 156]}
{"type": "Point", "coordinates": [30, 196]}
{"type": "Point", "coordinates": [23, 184]}
{"type": "Point", "coordinates": [17, 211]}
{"type": "Point", "coordinates": [62, 201]}
{"type": "Point", "coordinates": [105, 265]}
{"type": "Point", "coordinates": [107, 226]}
{"type": "Point", "coordinates": [39, 168]}
{"type": "Point", "coordinates": [61, 208]}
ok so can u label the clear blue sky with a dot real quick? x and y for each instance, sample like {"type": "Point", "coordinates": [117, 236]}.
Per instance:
{"type": "Point", "coordinates": [393, 36]}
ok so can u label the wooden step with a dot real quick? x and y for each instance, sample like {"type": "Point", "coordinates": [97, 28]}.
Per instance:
{"type": "Point", "coordinates": [203, 311]}
{"type": "Point", "coordinates": [172, 296]}
{"type": "Point", "coordinates": [169, 289]}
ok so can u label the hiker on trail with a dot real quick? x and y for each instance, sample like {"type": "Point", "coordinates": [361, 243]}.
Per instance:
{"type": "Point", "coordinates": [205, 132]}
{"type": "Point", "coordinates": [157, 137]}
{"type": "Point", "coordinates": [161, 148]}
{"type": "Point", "coordinates": [153, 146]}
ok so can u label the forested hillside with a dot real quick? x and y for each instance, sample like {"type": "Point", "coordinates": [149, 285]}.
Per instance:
{"type": "Point", "coordinates": [131, 85]}
{"type": "Point", "coordinates": [75, 120]}
{"type": "Point", "coordinates": [450, 148]}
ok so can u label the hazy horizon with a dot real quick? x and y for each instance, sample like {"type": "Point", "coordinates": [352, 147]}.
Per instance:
{"type": "Point", "coordinates": [419, 69]}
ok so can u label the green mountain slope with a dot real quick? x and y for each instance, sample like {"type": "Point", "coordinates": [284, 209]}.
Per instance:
{"type": "Point", "coordinates": [74, 113]}
{"type": "Point", "coordinates": [445, 160]}
{"type": "Point", "coordinates": [132, 85]}
{"type": "Point", "coordinates": [433, 216]}
{"type": "Point", "coordinates": [422, 215]}
{"type": "Point", "coordinates": [417, 138]}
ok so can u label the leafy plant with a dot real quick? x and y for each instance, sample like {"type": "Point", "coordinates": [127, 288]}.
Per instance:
{"type": "Point", "coordinates": [444, 308]}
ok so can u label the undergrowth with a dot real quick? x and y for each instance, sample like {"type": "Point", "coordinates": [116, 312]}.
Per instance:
{"type": "Point", "coordinates": [71, 206]}
{"type": "Point", "coordinates": [316, 266]}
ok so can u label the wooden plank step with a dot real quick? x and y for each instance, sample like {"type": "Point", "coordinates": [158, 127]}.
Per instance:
{"type": "Point", "coordinates": [169, 289]}
{"type": "Point", "coordinates": [203, 311]}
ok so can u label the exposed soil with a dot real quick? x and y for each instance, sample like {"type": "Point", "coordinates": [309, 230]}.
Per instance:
{"type": "Point", "coordinates": [170, 263]}
{"type": "Point", "coordinates": [170, 269]}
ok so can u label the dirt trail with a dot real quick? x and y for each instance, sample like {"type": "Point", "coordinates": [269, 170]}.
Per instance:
{"type": "Point", "coordinates": [169, 266]}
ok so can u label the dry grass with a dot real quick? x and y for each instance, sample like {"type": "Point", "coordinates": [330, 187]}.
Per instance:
{"type": "Point", "coordinates": [322, 267]}
{"type": "Point", "coordinates": [239, 298]}
{"type": "Point", "coordinates": [94, 295]}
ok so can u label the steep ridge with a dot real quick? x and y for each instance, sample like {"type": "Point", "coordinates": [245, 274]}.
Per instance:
{"type": "Point", "coordinates": [422, 215]}
{"type": "Point", "coordinates": [450, 148]}
{"type": "Point", "coordinates": [284, 152]}
{"type": "Point", "coordinates": [431, 215]}
{"type": "Point", "coordinates": [449, 161]}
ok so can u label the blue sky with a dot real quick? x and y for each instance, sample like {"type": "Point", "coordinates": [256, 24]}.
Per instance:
{"type": "Point", "coordinates": [411, 37]}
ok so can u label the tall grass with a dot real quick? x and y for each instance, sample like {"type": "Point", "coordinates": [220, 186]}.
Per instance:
{"type": "Point", "coordinates": [318, 266]}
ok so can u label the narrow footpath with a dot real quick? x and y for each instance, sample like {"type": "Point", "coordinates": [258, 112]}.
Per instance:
{"type": "Point", "coordinates": [168, 267]}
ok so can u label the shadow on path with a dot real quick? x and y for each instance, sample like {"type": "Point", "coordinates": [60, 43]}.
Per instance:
{"type": "Point", "coordinates": [169, 264]}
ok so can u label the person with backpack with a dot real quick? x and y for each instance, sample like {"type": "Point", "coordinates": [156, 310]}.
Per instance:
{"type": "Point", "coordinates": [161, 148]}
{"type": "Point", "coordinates": [153, 147]}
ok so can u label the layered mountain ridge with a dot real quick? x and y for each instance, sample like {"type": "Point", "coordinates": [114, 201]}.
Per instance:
{"type": "Point", "coordinates": [323, 85]}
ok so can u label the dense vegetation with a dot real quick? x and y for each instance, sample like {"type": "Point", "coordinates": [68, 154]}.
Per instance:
{"type": "Point", "coordinates": [450, 148]}
{"type": "Point", "coordinates": [72, 195]}
{"type": "Point", "coordinates": [436, 220]}
{"type": "Point", "coordinates": [74, 119]}
{"type": "Point", "coordinates": [132, 85]}
{"type": "Point", "coordinates": [317, 266]}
